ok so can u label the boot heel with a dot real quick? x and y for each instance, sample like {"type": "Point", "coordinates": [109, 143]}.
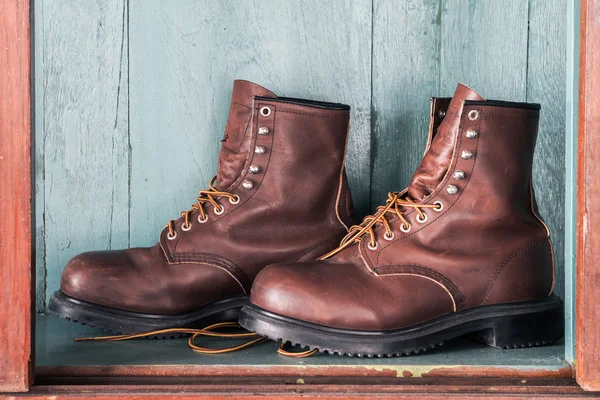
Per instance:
{"type": "Point", "coordinates": [524, 330]}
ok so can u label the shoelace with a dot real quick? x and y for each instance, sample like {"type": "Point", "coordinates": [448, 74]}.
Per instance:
{"type": "Point", "coordinates": [392, 206]}
{"type": "Point", "coordinates": [208, 331]}
{"type": "Point", "coordinates": [206, 196]}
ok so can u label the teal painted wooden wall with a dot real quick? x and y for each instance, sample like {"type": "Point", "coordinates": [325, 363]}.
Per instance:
{"type": "Point", "coordinates": [131, 98]}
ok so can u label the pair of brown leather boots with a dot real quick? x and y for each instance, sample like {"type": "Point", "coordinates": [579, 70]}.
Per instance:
{"type": "Point", "coordinates": [461, 251]}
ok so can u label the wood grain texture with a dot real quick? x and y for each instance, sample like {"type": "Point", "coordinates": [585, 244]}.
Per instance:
{"type": "Point", "coordinates": [15, 197]}
{"type": "Point", "coordinates": [546, 82]}
{"type": "Point", "coordinates": [184, 58]}
{"type": "Point", "coordinates": [588, 200]}
{"type": "Point", "coordinates": [484, 45]}
{"type": "Point", "coordinates": [406, 63]}
{"type": "Point", "coordinates": [84, 129]}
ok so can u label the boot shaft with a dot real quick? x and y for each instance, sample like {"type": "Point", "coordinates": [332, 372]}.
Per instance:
{"type": "Point", "coordinates": [487, 232]}
{"type": "Point", "coordinates": [283, 159]}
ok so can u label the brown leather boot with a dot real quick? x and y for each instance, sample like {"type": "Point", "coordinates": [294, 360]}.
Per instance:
{"type": "Point", "coordinates": [280, 195]}
{"type": "Point", "coordinates": [462, 251]}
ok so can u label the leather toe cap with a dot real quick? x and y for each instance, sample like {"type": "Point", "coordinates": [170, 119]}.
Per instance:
{"type": "Point", "coordinates": [93, 276]}
{"type": "Point", "coordinates": [348, 296]}
{"type": "Point", "coordinates": [316, 292]}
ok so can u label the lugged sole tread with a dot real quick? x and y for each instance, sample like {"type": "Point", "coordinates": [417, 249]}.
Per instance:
{"type": "Point", "coordinates": [511, 325]}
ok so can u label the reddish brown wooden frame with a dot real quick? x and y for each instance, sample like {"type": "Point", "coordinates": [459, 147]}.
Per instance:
{"type": "Point", "coordinates": [588, 200]}
{"type": "Point", "coordinates": [16, 312]}
{"type": "Point", "coordinates": [15, 196]}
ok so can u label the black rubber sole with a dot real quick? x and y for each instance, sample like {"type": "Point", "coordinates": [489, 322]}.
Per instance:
{"type": "Point", "coordinates": [118, 321]}
{"type": "Point", "coordinates": [525, 324]}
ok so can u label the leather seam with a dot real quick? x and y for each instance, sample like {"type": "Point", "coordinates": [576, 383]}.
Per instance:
{"type": "Point", "coordinates": [511, 115]}
{"type": "Point", "coordinates": [314, 115]}
{"type": "Point", "coordinates": [278, 100]}
{"type": "Point", "coordinates": [216, 260]}
{"type": "Point", "coordinates": [431, 279]}
{"type": "Point", "coordinates": [322, 243]}
{"type": "Point", "coordinates": [216, 266]}
{"type": "Point", "coordinates": [458, 297]}
{"type": "Point", "coordinates": [340, 200]}
{"type": "Point", "coordinates": [504, 263]}
{"type": "Point", "coordinates": [243, 105]}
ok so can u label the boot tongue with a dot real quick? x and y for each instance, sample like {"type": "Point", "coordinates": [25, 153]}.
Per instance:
{"type": "Point", "coordinates": [236, 140]}
{"type": "Point", "coordinates": [436, 161]}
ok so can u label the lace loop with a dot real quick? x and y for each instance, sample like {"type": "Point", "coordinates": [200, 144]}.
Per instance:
{"type": "Point", "coordinates": [206, 196]}
{"type": "Point", "coordinates": [208, 331]}
{"type": "Point", "coordinates": [393, 205]}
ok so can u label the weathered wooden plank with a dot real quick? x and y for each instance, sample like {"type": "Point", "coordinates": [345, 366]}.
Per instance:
{"type": "Point", "coordinates": [85, 129]}
{"type": "Point", "coordinates": [183, 59]}
{"type": "Point", "coordinates": [484, 45]}
{"type": "Point", "coordinates": [588, 201]}
{"type": "Point", "coordinates": [546, 82]}
{"type": "Point", "coordinates": [406, 45]}
{"type": "Point", "coordinates": [15, 197]}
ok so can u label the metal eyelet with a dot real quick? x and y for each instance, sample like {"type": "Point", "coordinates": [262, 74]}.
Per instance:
{"type": "Point", "coordinates": [373, 247]}
{"type": "Point", "coordinates": [405, 229]}
{"type": "Point", "coordinates": [183, 228]}
{"type": "Point", "coordinates": [235, 199]}
{"type": "Point", "coordinates": [390, 237]}
{"type": "Point", "coordinates": [219, 211]}
{"type": "Point", "coordinates": [202, 220]}
{"type": "Point", "coordinates": [263, 131]}
{"type": "Point", "coordinates": [471, 134]}
{"type": "Point", "coordinates": [259, 150]}
{"type": "Point", "coordinates": [440, 206]}
{"type": "Point", "coordinates": [246, 184]}
{"type": "Point", "coordinates": [473, 115]}
{"type": "Point", "coordinates": [466, 154]}
{"type": "Point", "coordinates": [265, 111]}
{"type": "Point", "coordinates": [255, 169]}
{"type": "Point", "coordinates": [441, 113]}
{"type": "Point", "coordinates": [458, 175]}
{"type": "Point", "coordinates": [171, 237]}
{"type": "Point", "coordinates": [451, 189]}
{"type": "Point", "coordinates": [422, 221]}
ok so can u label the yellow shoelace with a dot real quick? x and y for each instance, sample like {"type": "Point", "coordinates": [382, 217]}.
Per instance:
{"type": "Point", "coordinates": [206, 196]}
{"type": "Point", "coordinates": [392, 206]}
{"type": "Point", "coordinates": [208, 331]}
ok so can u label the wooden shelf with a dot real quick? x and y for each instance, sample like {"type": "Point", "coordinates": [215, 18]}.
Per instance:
{"type": "Point", "coordinates": [58, 355]}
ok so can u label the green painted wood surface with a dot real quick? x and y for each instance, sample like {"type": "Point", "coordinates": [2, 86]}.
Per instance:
{"type": "Point", "coordinates": [132, 96]}
{"type": "Point", "coordinates": [183, 59]}
{"type": "Point", "coordinates": [406, 65]}
{"type": "Point", "coordinates": [546, 82]}
{"type": "Point", "coordinates": [55, 346]}
{"type": "Point", "coordinates": [82, 131]}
